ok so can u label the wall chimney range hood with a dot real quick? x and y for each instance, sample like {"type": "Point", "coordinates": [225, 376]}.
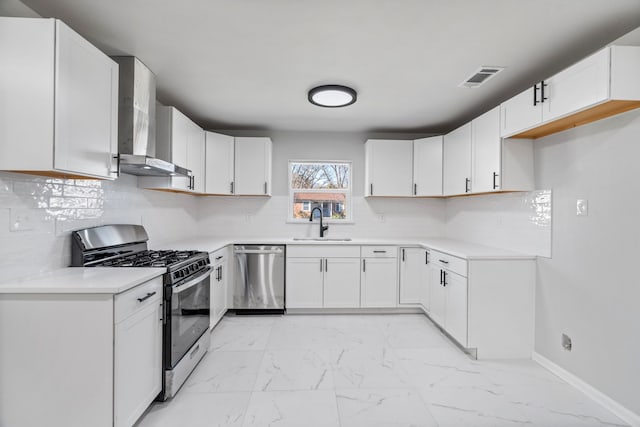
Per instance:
{"type": "Point", "coordinates": [137, 122]}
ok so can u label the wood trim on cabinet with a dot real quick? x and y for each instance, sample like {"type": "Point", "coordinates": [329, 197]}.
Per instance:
{"type": "Point", "coordinates": [597, 112]}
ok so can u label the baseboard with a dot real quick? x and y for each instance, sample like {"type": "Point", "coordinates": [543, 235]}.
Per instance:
{"type": "Point", "coordinates": [601, 398]}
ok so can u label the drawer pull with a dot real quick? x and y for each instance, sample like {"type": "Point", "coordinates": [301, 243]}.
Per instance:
{"type": "Point", "coordinates": [444, 262]}
{"type": "Point", "coordinates": [195, 350]}
{"type": "Point", "coordinates": [379, 252]}
{"type": "Point", "coordinates": [146, 297]}
{"type": "Point", "coordinates": [219, 257]}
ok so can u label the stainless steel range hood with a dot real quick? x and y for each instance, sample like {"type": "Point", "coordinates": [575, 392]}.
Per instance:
{"type": "Point", "coordinates": [137, 122]}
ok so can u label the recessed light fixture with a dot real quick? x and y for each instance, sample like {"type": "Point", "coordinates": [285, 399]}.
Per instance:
{"type": "Point", "coordinates": [332, 96]}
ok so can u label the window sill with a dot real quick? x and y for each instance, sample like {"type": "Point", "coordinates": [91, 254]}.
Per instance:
{"type": "Point", "coordinates": [327, 222]}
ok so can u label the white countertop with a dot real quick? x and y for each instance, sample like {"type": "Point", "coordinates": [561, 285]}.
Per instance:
{"type": "Point", "coordinates": [461, 249]}
{"type": "Point", "coordinates": [81, 280]}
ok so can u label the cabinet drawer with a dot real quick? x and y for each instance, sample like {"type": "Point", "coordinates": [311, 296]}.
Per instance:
{"type": "Point", "coordinates": [449, 262]}
{"type": "Point", "coordinates": [379, 252]}
{"type": "Point", "coordinates": [323, 251]}
{"type": "Point", "coordinates": [128, 303]}
{"type": "Point", "coordinates": [219, 256]}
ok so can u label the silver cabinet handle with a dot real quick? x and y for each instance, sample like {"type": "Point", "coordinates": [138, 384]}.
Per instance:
{"type": "Point", "coordinates": [326, 265]}
{"type": "Point", "coordinates": [321, 265]}
{"type": "Point", "coordinates": [364, 265]}
{"type": "Point", "coordinates": [371, 189]}
{"type": "Point", "coordinates": [258, 251]}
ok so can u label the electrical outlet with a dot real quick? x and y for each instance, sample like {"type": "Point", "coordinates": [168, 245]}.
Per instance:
{"type": "Point", "coordinates": [566, 342]}
{"type": "Point", "coordinates": [380, 218]}
{"type": "Point", "coordinates": [582, 207]}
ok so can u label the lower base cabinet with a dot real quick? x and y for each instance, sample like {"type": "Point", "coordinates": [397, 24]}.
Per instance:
{"type": "Point", "coordinates": [379, 277]}
{"type": "Point", "coordinates": [414, 277]}
{"type": "Point", "coordinates": [341, 283]}
{"type": "Point", "coordinates": [304, 283]}
{"type": "Point", "coordinates": [77, 360]}
{"type": "Point", "coordinates": [219, 284]}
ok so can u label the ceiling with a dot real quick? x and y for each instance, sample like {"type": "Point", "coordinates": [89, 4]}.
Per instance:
{"type": "Point", "coordinates": [248, 64]}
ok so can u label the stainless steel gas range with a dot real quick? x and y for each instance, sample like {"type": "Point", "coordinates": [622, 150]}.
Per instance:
{"type": "Point", "coordinates": [186, 291]}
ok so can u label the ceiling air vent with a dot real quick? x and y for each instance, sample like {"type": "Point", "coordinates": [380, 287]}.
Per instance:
{"type": "Point", "coordinates": [481, 76]}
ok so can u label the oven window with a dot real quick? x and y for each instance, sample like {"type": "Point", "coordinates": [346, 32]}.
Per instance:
{"type": "Point", "coordinates": [189, 318]}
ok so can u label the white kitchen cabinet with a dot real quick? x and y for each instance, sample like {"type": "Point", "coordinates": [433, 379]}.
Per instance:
{"type": "Point", "coordinates": [437, 296]}
{"type": "Point", "coordinates": [182, 142]}
{"type": "Point", "coordinates": [379, 276]}
{"type": "Point", "coordinates": [252, 166]}
{"type": "Point", "coordinates": [455, 310]}
{"type": "Point", "coordinates": [305, 281]}
{"type": "Point", "coordinates": [457, 162]}
{"type": "Point", "coordinates": [219, 284]}
{"type": "Point", "coordinates": [427, 167]}
{"type": "Point", "coordinates": [219, 167]}
{"type": "Point", "coordinates": [59, 109]}
{"type": "Point", "coordinates": [499, 164]}
{"type": "Point", "coordinates": [323, 276]}
{"type": "Point", "coordinates": [88, 359]}
{"type": "Point", "coordinates": [389, 168]}
{"type": "Point", "coordinates": [414, 277]}
{"type": "Point", "coordinates": [601, 85]}
{"type": "Point", "coordinates": [341, 283]}
{"type": "Point", "coordinates": [137, 351]}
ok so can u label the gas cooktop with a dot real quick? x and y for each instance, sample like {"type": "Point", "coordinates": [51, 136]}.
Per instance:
{"type": "Point", "coordinates": [149, 258]}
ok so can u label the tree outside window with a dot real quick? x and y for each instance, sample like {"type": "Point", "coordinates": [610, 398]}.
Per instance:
{"type": "Point", "coordinates": [326, 185]}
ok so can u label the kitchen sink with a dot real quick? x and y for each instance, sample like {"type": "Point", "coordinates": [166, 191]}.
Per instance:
{"type": "Point", "coordinates": [321, 239]}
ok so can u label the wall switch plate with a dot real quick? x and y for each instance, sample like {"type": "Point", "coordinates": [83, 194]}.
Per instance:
{"type": "Point", "coordinates": [582, 207]}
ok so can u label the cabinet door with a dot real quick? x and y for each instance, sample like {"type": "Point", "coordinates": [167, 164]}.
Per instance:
{"type": "Point", "coordinates": [425, 288]}
{"type": "Point", "coordinates": [181, 126]}
{"type": "Point", "coordinates": [389, 165]}
{"type": "Point", "coordinates": [196, 156]}
{"type": "Point", "coordinates": [218, 293]}
{"type": "Point", "coordinates": [137, 364]}
{"type": "Point", "coordinates": [485, 146]}
{"type": "Point", "coordinates": [411, 275]}
{"type": "Point", "coordinates": [86, 106]}
{"type": "Point", "coordinates": [219, 163]}
{"type": "Point", "coordinates": [379, 282]}
{"type": "Point", "coordinates": [304, 282]}
{"type": "Point", "coordinates": [456, 307]}
{"type": "Point", "coordinates": [457, 161]}
{"type": "Point", "coordinates": [579, 86]}
{"type": "Point", "coordinates": [520, 113]}
{"type": "Point", "coordinates": [342, 283]}
{"type": "Point", "coordinates": [427, 166]}
{"type": "Point", "coordinates": [253, 166]}
{"type": "Point", "coordinates": [437, 296]}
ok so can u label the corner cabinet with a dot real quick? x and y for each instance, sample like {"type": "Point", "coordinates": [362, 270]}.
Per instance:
{"type": "Point", "coordinates": [599, 86]}
{"type": "Point", "coordinates": [182, 142]}
{"type": "Point", "coordinates": [59, 109]}
{"type": "Point", "coordinates": [414, 277]}
{"type": "Point", "coordinates": [105, 349]}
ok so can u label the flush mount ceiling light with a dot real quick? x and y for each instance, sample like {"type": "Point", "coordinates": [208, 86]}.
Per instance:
{"type": "Point", "coordinates": [332, 96]}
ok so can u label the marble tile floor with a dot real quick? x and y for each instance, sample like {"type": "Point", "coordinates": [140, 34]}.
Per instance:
{"type": "Point", "coordinates": [363, 370]}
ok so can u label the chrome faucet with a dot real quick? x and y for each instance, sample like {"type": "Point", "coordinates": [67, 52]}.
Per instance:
{"type": "Point", "coordinates": [323, 228]}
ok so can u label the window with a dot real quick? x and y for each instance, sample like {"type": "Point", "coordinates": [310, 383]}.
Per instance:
{"type": "Point", "coordinates": [323, 185]}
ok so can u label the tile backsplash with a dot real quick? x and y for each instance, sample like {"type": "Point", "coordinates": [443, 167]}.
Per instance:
{"type": "Point", "coordinates": [37, 215]}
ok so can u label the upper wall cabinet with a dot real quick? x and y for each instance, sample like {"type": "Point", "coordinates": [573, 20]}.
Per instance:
{"type": "Point", "coordinates": [238, 166]}
{"type": "Point", "coordinates": [599, 86]}
{"type": "Point", "coordinates": [219, 151]}
{"type": "Point", "coordinates": [498, 164]}
{"type": "Point", "coordinates": [252, 166]}
{"type": "Point", "coordinates": [457, 161]}
{"type": "Point", "coordinates": [182, 142]}
{"type": "Point", "coordinates": [427, 167]}
{"type": "Point", "coordinates": [477, 160]}
{"type": "Point", "coordinates": [59, 108]}
{"type": "Point", "coordinates": [388, 168]}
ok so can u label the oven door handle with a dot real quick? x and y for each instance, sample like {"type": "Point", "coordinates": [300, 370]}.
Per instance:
{"type": "Point", "coordinates": [183, 287]}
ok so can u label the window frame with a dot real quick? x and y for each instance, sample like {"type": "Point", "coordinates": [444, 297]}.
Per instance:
{"type": "Point", "coordinates": [348, 203]}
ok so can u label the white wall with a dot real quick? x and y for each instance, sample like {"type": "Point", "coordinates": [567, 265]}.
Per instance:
{"type": "Point", "coordinates": [266, 217]}
{"type": "Point", "coordinates": [37, 215]}
{"type": "Point", "coordinates": [517, 221]}
{"type": "Point", "coordinates": [589, 289]}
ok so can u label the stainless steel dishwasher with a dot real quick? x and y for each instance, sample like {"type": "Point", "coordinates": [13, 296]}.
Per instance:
{"type": "Point", "coordinates": [259, 279]}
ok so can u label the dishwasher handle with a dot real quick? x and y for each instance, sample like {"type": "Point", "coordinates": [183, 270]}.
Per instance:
{"type": "Point", "coordinates": [258, 251]}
